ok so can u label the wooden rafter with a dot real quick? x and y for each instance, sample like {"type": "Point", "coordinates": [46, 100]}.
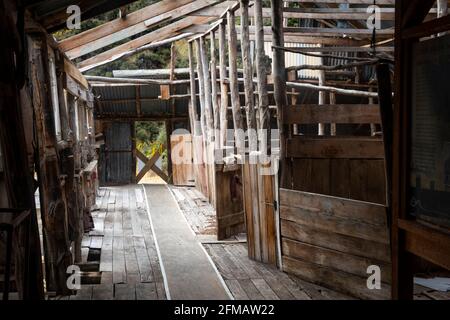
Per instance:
{"type": "Point", "coordinates": [115, 31]}
{"type": "Point", "coordinates": [168, 31]}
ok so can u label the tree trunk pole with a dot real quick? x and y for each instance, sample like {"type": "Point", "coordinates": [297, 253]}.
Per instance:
{"type": "Point", "coordinates": [215, 105]}
{"type": "Point", "coordinates": [248, 74]}
{"type": "Point", "coordinates": [207, 93]}
{"type": "Point", "coordinates": [261, 75]}
{"type": "Point", "coordinates": [223, 85]}
{"type": "Point", "coordinates": [279, 76]}
{"type": "Point", "coordinates": [201, 88]}
{"type": "Point", "coordinates": [234, 86]}
{"type": "Point", "coordinates": [193, 102]}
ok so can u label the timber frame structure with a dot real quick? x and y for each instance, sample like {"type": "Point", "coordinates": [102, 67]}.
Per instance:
{"type": "Point", "coordinates": [296, 124]}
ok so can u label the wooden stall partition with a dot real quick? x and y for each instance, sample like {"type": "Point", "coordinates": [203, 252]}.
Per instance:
{"type": "Point", "coordinates": [182, 161]}
{"type": "Point", "coordinates": [259, 196]}
{"type": "Point", "coordinates": [201, 181]}
{"type": "Point", "coordinates": [229, 201]}
{"type": "Point", "coordinates": [344, 165]}
{"type": "Point", "coordinates": [332, 242]}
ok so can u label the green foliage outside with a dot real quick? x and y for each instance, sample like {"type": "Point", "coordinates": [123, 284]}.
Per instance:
{"type": "Point", "coordinates": [150, 138]}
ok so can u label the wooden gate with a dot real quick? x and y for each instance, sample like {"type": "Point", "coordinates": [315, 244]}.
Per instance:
{"type": "Point", "coordinates": [117, 165]}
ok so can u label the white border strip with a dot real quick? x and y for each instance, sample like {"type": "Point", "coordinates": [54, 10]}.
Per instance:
{"type": "Point", "coordinates": [230, 295]}
{"type": "Point", "coordinates": [161, 264]}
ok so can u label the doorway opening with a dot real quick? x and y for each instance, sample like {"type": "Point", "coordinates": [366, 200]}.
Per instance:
{"type": "Point", "coordinates": [151, 152]}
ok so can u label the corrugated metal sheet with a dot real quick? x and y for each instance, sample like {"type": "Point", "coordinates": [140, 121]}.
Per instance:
{"type": "Point", "coordinates": [155, 107]}
{"type": "Point", "coordinates": [121, 100]}
{"type": "Point", "coordinates": [117, 155]}
{"type": "Point", "coordinates": [115, 92]}
{"type": "Point", "coordinates": [150, 91]}
{"type": "Point", "coordinates": [294, 59]}
{"type": "Point", "coordinates": [124, 107]}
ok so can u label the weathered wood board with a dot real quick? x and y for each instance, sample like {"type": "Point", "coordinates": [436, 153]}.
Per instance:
{"type": "Point", "coordinates": [182, 161]}
{"type": "Point", "coordinates": [332, 241]}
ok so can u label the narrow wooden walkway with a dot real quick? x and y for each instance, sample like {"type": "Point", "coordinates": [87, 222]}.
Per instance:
{"type": "Point", "coordinates": [189, 272]}
{"type": "Point", "coordinates": [123, 246]}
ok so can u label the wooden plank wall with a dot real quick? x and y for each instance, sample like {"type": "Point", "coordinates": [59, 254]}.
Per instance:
{"type": "Point", "coordinates": [182, 162]}
{"type": "Point", "coordinates": [259, 196]}
{"type": "Point", "coordinates": [201, 181]}
{"type": "Point", "coordinates": [341, 165]}
{"type": "Point", "coordinates": [332, 241]}
{"type": "Point", "coordinates": [229, 201]}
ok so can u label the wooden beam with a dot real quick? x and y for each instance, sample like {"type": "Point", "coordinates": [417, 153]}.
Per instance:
{"type": "Point", "coordinates": [170, 30]}
{"type": "Point", "coordinates": [333, 32]}
{"type": "Point", "coordinates": [135, 81]}
{"type": "Point", "coordinates": [335, 148]}
{"type": "Point", "coordinates": [73, 72]}
{"type": "Point", "coordinates": [223, 84]}
{"type": "Point", "coordinates": [201, 91]}
{"type": "Point", "coordinates": [193, 97]}
{"type": "Point", "coordinates": [207, 91]}
{"type": "Point", "coordinates": [340, 91]}
{"type": "Point", "coordinates": [332, 113]}
{"type": "Point", "coordinates": [119, 24]}
{"type": "Point", "coordinates": [279, 69]}
{"type": "Point", "coordinates": [234, 86]}
{"type": "Point", "coordinates": [140, 27]}
{"type": "Point", "coordinates": [261, 74]}
{"type": "Point", "coordinates": [214, 89]}
{"type": "Point", "coordinates": [248, 72]}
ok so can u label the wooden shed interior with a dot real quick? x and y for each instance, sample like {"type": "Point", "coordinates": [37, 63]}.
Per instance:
{"type": "Point", "coordinates": [307, 146]}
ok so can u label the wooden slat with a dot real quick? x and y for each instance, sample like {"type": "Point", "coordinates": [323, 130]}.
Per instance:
{"type": "Point", "coordinates": [332, 32]}
{"type": "Point", "coordinates": [127, 29]}
{"type": "Point", "coordinates": [74, 73]}
{"type": "Point", "coordinates": [426, 242]}
{"type": "Point", "coordinates": [119, 24]}
{"type": "Point", "coordinates": [327, 223]}
{"type": "Point", "coordinates": [334, 259]}
{"type": "Point", "coordinates": [335, 279]}
{"type": "Point", "coordinates": [359, 211]}
{"type": "Point", "coordinates": [337, 147]}
{"type": "Point", "coordinates": [339, 113]}
{"type": "Point", "coordinates": [157, 35]}
{"type": "Point", "coordinates": [335, 241]}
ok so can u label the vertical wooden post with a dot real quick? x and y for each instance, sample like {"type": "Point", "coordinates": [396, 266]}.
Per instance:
{"type": "Point", "coordinates": [261, 74]}
{"type": "Point", "coordinates": [18, 175]}
{"type": "Point", "coordinates": [442, 10]}
{"type": "Point", "coordinates": [223, 85]}
{"type": "Point", "coordinates": [193, 91]}
{"type": "Point", "coordinates": [254, 210]}
{"type": "Point", "coordinates": [53, 208]}
{"type": "Point", "coordinates": [373, 126]}
{"type": "Point", "coordinates": [248, 74]}
{"type": "Point", "coordinates": [279, 76]}
{"type": "Point", "coordinates": [169, 130]}
{"type": "Point", "coordinates": [214, 90]}
{"type": "Point", "coordinates": [333, 125]}
{"type": "Point", "coordinates": [234, 86]}
{"type": "Point", "coordinates": [207, 92]}
{"type": "Point", "coordinates": [201, 88]}
{"type": "Point", "coordinates": [322, 96]}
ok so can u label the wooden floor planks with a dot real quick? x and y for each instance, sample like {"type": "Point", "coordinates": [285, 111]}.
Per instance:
{"type": "Point", "coordinates": [249, 279]}
{"type": "Point", "coordinates": [199, 213]}
{"type": "Point", "coordinates": [128, 260]}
